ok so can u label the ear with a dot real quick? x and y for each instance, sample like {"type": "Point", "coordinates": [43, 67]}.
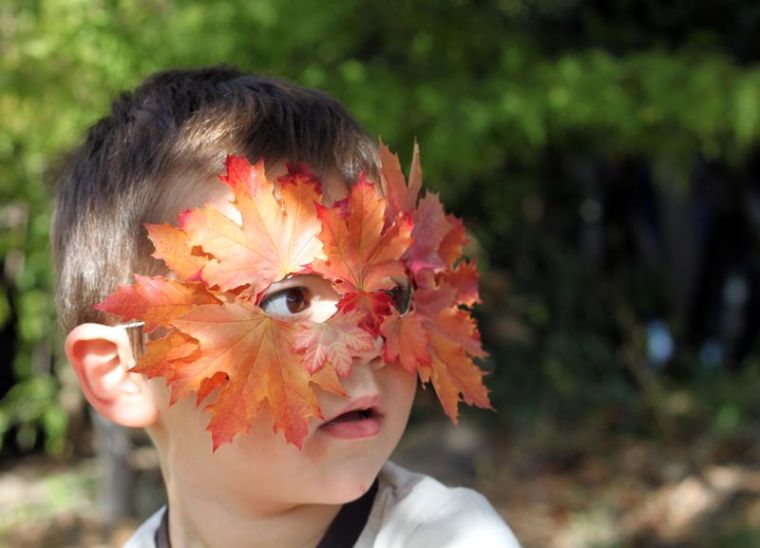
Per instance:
{"type": "Point", "coordinates": [101, 356]}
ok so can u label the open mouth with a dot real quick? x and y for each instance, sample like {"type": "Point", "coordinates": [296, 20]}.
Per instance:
{"type": "Point", "coordinates": [354, 424]}
{"type": "Point", "coordinates": [356, 415]}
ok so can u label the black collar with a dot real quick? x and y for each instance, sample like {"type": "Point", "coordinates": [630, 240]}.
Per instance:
{"type": "Point", "coordinates": [343, 532]}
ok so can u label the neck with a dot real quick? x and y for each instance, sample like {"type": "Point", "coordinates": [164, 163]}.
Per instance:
{"type": "Point", "coordinates": [197, 520]}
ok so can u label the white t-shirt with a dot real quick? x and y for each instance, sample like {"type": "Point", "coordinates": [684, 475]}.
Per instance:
{"type": "Point", "coordinates": [410, 510]}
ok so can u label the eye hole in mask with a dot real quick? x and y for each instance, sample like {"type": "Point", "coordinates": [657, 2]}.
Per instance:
{"type": "Point", "coordinates": [290, 301]}
{"type": "Point", "coordinates": [401, 295]}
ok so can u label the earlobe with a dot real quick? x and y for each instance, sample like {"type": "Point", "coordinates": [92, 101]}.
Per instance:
{"type": "Point", "coordinates": [101, 356]}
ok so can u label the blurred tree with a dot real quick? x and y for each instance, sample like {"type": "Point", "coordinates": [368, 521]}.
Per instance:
{"type": "Point", "coordinates": [517, 104]}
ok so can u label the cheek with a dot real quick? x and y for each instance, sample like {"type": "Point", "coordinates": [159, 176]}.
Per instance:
{"type": "Point", "coordinates": [399, 388]}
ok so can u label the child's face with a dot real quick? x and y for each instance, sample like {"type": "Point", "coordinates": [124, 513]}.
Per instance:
{"type": "Point", "coordinates": [338, 460]}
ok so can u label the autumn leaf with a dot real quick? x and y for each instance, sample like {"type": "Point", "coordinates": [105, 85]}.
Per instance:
{"type": "Point", "coordinates": [464, 280]}
{"type": "Point", "coordinates": [361, 255]}
{"type": "Point", "coordinates": [255, 352]}
{"type": "Point", "coordinates": [299, 173]}
{"type": "Point", "coordinates": [372, 306]}
{"type": "Point", "coordinates": [453, 242]}
{"type": "Point", "coordinates": [453, 342]}
{"type": "Point", "coordinates": [402, 199]}
{"type": "Point", "coordinates": [277, 237]}
{"type": "Point", "coordinates": [406, 341]}
{"type": "Point", "coordinates": [336, 342]}
{"type": "Point", "coordinates": [430, 228]}
{"type": "Point", "coordinates": [156, 300]}
{"type": "Point", "coordinates": [172, 246]}
{"type": "Point", "coordinates": [166, 357]}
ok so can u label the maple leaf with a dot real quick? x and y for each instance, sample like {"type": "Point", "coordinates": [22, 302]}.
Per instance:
{"type": "Point", "coordinates": [433, 298]}
{"type": "Point", "coordinates": [430, 227]}
{"type": "Point", "coordinates": [156, 300]}
{"type": "Point", "coordinates": [166, 357]}
{"type": "Point", "coordinates": [454, 341]}
{"type": "Point", "coordinates": [464, 280]}
{"type": "Point", "coordinates": [361, 255]}
{"type": "Point", "coordinates": [172, 246]}
{"type": "Point", "coordinates": [298, 172]}
{"type": "Point", "coordinates": [372, 308]}
{"type": "Point", "coordinates": [336, 342]}
{"type": "Point", "coordinates": [254, 351]}
{"type": "Point", "coordinates": [453, 242]}
{"type": "Point", "coordinates": [277, 237]}
{"type": "Point", "coordinates": [406, 341]}
{"type": "Point", "coordinates": [402, 199]}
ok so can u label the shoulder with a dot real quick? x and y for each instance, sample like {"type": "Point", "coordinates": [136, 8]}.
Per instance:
{"type": "Point", "coordinates": [413, 509]}
{"type": "Point", "coordinates": [145, 535]}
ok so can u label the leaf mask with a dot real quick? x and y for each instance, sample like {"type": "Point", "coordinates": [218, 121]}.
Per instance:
{"type": "Point", "coordinates": [221, 341]}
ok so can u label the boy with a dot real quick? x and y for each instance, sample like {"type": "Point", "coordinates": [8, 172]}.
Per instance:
{"type": "Point", "coordinates": [294, 458]}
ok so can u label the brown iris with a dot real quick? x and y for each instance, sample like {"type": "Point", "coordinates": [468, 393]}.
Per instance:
{"type": "Point", "coordinates": [295, 299]}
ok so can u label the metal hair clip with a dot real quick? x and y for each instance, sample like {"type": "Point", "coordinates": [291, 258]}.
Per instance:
{"type": "Point", "coordinates": [130, 325]}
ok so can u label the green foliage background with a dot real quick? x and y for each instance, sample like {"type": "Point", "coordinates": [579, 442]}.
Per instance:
{"type": "Point", "coordinates": [491, 89]}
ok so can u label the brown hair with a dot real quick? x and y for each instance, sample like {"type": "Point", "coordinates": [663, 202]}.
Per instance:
{"type": "Point", "coordinates": [163, 140]}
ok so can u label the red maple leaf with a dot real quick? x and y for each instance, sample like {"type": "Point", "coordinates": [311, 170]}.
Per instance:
{"type": "Point", "coordinates": [372, 307]}
{"type": "Point", "coordinates": [363, 255]}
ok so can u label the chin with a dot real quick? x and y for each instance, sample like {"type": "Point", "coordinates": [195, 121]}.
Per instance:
{"type": "Point", "coordinates": [347, 484]}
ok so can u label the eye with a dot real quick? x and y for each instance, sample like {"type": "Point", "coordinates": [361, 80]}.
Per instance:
{"type": "Point", "coordinates": [301, 297]}
{"type": "Point", "coordinates": [401, 295]}
{"type": "Point", "coordinates": [287, 302]}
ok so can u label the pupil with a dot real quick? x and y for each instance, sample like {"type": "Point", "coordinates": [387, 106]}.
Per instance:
{"type": "Point", "coordinates": [297, 300]}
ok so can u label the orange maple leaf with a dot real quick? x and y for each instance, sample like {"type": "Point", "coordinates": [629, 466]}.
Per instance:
{"type": "Point", "coordinates": [254, 351]}
{"type": "Point", "coordinates": [453, 242]}
{"type": "Point", "coordinates": [454, 341]}
{"type": "Point", "coordinates": [172, 246]}
{"type": "Point", "coordinates": [402, 198]}
{"type": "Point", "coordinates": [156, 300]}
{"type": "Point", "coordinates": [277, 236]}
{"type": "Point", "coordinates": [464, 280]}
{"type": "Point", "coordinates": [406, 340]}
{"type": "Point", "coordinates": [166, 357]}
{"type": "Point", "coordinates": [361, 255]}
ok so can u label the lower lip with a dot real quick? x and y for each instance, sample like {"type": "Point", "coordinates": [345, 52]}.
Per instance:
{"type": "Point", "coordinates": [353, 430]}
